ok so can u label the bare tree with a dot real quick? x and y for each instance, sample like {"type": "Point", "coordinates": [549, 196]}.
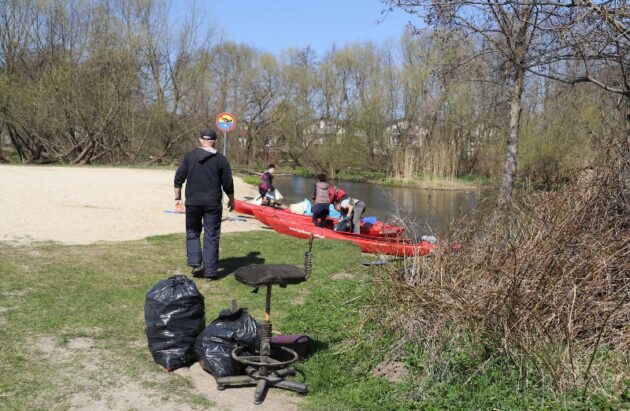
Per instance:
{"type": "Point", "coordinates": [118, 81]}
{"type": "Point", "coordinates": [260, 96]}
{"type": "Point", "coordinates": [570, 41]}
{"type": "Point", "coordinates": [507, 29]}
{"type": "Point", "coordinates": [591, 44]}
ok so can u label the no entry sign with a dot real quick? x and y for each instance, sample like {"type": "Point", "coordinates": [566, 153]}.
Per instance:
{"type": "Point", "coordinates": [226, 122]}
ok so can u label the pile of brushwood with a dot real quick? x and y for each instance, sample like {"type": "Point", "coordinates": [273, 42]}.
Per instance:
{"type": "Point", "coordinates": [545, 286]}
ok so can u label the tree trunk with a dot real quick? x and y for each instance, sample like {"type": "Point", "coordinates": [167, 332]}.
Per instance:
{"type": "Point", "coordinates": [509, 170]}
{"type": "Point", "coordinates": [85, 154]}
{"type": "Point", "coordinates": [3, 159]}
{"type": "Point", "coordinates": [249, 145]}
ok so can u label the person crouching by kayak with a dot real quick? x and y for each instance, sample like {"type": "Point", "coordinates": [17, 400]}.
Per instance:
{"type": "Point", "coordinates": [320, 201]}
{"type": "Point", "coordinates": [352, 209]}
{"type": "Point", "coordinates": [266, 189]}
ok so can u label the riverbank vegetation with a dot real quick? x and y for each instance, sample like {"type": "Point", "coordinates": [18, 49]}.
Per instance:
{"type": "Point", "coordinates": [429, 182]}
{"type": "Point", "coordinates": [541, 292]}
{"type": "Point", "coordinates": [89, 82]}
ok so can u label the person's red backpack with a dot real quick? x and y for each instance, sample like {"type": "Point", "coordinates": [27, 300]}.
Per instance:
{"type": "Point", "coordinates": [335, 194]}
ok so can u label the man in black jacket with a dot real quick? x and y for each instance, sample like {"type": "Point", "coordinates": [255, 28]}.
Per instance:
{"type": "Point", "coordinates": [206, 173]}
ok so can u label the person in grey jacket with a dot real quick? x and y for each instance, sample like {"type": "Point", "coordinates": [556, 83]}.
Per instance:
{"type": "Point", "coordinates": [352, 209]}
{"type": "Point", "coordinates": [320, 201]}
{"type": "Point", "coordinates": [207, 175]}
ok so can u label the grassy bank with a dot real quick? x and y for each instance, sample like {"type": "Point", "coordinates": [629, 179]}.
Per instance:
{"type": "Point", "coordinates": [249, 179]}
{"type": "Point", "coordinates": [436, 183]}
{"type": "Point", "coordinates": [428, 182]}
{"type": "Point", "coordinates": [73, 330]}
{"type": "Point", "coordinates": [72, 316]}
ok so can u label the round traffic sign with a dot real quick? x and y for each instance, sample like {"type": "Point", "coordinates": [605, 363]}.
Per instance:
{"type": "Point", "coordinates": [226, 122]}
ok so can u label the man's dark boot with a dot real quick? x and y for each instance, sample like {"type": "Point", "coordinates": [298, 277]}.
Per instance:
{"type": "Point", "coordinates": [197, 271]}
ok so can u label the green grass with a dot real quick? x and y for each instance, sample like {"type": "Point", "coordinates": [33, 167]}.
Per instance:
{"type": "Point", "coordinates": [341, 379]}
{"type": "Point", "coordinates": [432, 182]}
{"type": "Point", "coordinates": [360, 176]}
{"type": "Point", "coordinates": [54, 294]}
{"type": "Point", "coordinates": [378, 177]}
{"type": "Point", "coordinates": [481, 180]}
{"type": "Point", "coordinates": [248, 179]}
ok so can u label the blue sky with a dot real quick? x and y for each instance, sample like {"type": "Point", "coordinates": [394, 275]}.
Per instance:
{"type": "Point", "coordinates": [276, 25]}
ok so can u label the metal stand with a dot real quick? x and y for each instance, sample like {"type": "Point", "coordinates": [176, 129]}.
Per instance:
{"type": "Point", "coordinates": [224, 142]}
{"type": "Point", "coordinates": [263, 370]}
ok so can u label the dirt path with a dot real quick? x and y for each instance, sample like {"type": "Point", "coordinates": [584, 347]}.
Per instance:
{"type": "Point", "coordinates": [241, 399]}
{"type": "Point", "coordinates": [81, 205]}
{"type": "Point", "coordinates": [94, 385]}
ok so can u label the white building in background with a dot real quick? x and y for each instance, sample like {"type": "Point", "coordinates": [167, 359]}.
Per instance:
{"type": "Point", "coordinates": [270, 142]}
{"type": "Point", "coordinates": [414, 134]}
{"type": "Point", "coordinates": [318, 132]}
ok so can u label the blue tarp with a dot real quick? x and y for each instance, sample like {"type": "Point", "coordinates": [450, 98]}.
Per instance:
{"type": "Point", "coordinates": [332, 212]}
{"type": "Point", "coordinates": [331, 209]}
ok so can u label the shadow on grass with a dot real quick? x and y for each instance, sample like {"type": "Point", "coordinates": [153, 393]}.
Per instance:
{"type": "Point", "coordinates": [228, 265]}
{"type": "Point", "coordinates": [316, 346]}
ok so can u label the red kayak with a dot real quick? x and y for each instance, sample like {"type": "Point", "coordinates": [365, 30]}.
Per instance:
{"type": "Point", "coordinates": [244, 207]}
{"type": "Point", "coordinates": [378, 229]}
{"type": "Point", "coordinates": [367, 244]}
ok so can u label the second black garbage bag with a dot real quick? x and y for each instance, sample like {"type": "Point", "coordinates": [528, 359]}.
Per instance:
{"type": "Point", "coordinates": [215, 344]}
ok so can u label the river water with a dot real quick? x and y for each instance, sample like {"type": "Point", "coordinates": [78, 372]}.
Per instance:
{"type": "Point", "coordinates": [425, 210]}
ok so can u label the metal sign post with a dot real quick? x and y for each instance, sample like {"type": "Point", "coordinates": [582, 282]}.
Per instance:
{"type": "Point", "coordinates": [226, 123]}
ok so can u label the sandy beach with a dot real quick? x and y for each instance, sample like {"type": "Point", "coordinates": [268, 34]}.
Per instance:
{"type": "Point", "coordinates": [82, 205]}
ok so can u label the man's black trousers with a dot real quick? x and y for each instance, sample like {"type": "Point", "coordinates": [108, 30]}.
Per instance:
{"type": "Point", "coordinates": [320, 212]}
{"type": "Point", "coordinates": [210, 219]}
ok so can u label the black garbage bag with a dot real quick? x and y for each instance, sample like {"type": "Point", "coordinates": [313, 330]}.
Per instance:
{"type": "Point", "coordinates": [174, 313]}
{"type": "Point", "coordinates": [215, 344]}
{"type": "Point", "coordinates": [343, 225]}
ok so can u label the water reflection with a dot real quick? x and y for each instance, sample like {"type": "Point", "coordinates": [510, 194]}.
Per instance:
{"type": "Point", "coordinates": [427, 210]}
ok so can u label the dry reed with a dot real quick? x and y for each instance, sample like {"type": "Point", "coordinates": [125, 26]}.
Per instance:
{"type": "Point", "coordinates": [545, 285]}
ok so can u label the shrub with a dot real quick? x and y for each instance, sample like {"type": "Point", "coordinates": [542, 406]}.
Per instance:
{"type": "Point", "coordinates": [544, 286]}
